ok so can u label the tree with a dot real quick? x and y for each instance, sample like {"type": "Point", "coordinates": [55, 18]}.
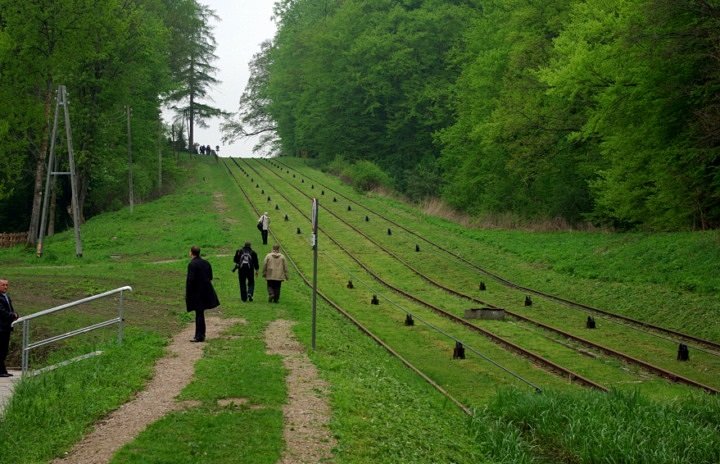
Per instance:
{"type": "Point", "coordinates": [192, 69]}
{"type": "Point", "coordinates": [253, 117]}
{"type": "Point", "coordinates": [110, 55]}
{"type": "Point", "coordinates": [648, 74]}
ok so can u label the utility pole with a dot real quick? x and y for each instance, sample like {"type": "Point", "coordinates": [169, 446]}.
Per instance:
{"type": "Point", "coordinates": [160, 133]}
{"type": "Point", "coordinates": [130, 161]}
{"type": "Point", "coordinates": [315, 259]}
{"type": "Point", "coordinates": [52, 171]}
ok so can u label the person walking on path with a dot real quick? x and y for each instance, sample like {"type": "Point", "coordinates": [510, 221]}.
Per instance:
{"type": "Point", "coordinates": [199, 292]}
{"type": "Point", "coordinates": [247, 265]}
{"type": "Point", "coordinates": [263, 226]}
{"type": "Point", "coordinates": [7, 317]}
{"type": "Point", "coordinates": [274, 270]}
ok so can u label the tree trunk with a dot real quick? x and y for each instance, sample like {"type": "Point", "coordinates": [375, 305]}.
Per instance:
{"type": "Point", "coordinates": [40, 156]}
{"type": "Point", "coordinates": [191, 125]}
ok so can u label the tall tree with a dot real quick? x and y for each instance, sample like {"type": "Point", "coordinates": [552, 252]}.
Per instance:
{"type": "Point", "coordinates": [648, 74]}
{"type": "Point", "coordinates": [193, 66]}
{"type": "Point", "coordinates": [253, 118]}
{"type": "Point", "coordinates": [109, 55]}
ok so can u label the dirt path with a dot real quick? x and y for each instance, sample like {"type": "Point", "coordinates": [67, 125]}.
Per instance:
{"type": "Point", "coordinates": [307, 412]}
{"type": "Point", "coordinates": [172, 373]}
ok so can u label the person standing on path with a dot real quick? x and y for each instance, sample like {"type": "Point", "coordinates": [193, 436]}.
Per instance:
{"type": "Point", "coordinates": [7, 317]}
{"type": "Point", "coordinates": [263, 226]}
{"type": "Point", "coordinates": [199, 292]}
{"type": "Point", "coordinates": [275, 270]}
{"type": "Point", "coordinates": [247, 265]}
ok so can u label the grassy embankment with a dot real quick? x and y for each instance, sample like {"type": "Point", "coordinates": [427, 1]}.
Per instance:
{"type": "Point", "coordinates": [381, 412]}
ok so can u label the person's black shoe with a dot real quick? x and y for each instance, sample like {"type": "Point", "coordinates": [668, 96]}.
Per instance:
{"type": "Point", "coordinates": [197, 340]}
{"type": "Point", "coordinates": [249, 297]}
{"type": "Point", "coordinates": [6, 374]}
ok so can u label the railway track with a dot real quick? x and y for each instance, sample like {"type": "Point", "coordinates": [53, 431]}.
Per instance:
{"type": "Point", "coordinates": [679, 337]}
{"type": "Point", "coordinates": [531, 356]}
{"type": "Point", "coordinates": [464, 408]}
{"type": "Point", "coordinates": [675, 377]}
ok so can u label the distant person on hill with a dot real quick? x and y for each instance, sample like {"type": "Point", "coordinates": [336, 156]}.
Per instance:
{"type": "Point", "coordinates": [247, 265]}
{"type": "Point", "coordinates": [263, 226]}
{"type": "Point", "coordinates": [7, 317]}
{"type": "Point", "coordinates": [199, 292]}
{"type": "Point", "coordinates": [274, 270]}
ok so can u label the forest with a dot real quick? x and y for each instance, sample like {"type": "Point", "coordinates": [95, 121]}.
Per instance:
{"type": "Point", "coordinates": [603, 112]}
{"type": "Point", "coordinates": [122, 62]}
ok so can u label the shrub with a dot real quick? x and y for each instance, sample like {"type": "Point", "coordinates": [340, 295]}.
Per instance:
{"type": "Point", "coordinates": [366, 175]}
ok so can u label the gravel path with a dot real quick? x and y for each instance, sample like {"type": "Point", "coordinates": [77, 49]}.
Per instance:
{"type": "Point", "coordinates": [307, 413]}
{"type": "Point", "coordinates": [172, 373]}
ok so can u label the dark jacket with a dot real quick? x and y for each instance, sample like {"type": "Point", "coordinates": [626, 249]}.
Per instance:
{"type": "Point", "coordinates": [254, 264]}
{"type": "Point", "coordinates": [199, 291]}
{"type": "Point", "coordinates": [7, 314]}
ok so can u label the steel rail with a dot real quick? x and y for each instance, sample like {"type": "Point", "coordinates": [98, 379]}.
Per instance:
{"type": "Point", "coordinates": [607, 350]}
{"type": "Point", "coordinates": [641, 324]}
{"type": "Point", "coordinates": [357, 323]}
{"type": "Point", "coordinates": [548, 365]}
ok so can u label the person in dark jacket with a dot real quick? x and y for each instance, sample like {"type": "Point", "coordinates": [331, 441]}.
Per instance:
{"type": "Point", "coordinates": [247, 265]}
{"type": "Point", "coordinates": [7, 316]}
{"type": "Point", "coordinates": [199, 292]}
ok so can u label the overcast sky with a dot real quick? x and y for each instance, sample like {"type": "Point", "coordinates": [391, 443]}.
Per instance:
{"type": "Point", "coordinates": [242, 27]}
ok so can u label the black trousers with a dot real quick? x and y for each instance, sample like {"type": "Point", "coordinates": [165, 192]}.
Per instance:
{"type": "Point", "coordinates": [247, 283]}
{"type": "Point", "coordinates": [274, 290]}
{"type": "Point", "coordinates": [199, 324]}
{"type": "Point", "coordinates": [264, 234]}
{"type": "Point", "coordinates": [4, 348]}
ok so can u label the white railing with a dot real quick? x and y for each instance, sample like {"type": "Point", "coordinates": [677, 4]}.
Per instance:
{"type": "Point", "coordinates": [25, 321]}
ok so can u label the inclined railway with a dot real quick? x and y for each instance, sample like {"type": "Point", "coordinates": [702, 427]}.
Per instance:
{"type": "Point", "coordinates": [539, 360]}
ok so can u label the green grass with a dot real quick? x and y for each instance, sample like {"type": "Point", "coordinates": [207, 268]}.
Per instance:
{"type": "Point", "coordinates": [381, 411]}
{"type": "Point", "coordinates": [49, 412]}
{"type": "Point", "coordinates": [616, 427]}
{"type": "Point", "coordinates": [453, 273]}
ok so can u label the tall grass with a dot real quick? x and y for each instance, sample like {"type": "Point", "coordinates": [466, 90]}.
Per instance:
{"type": "Point", "coordinates": [612, 428]}
{"type": "Point", "coordinates": [49, 412]}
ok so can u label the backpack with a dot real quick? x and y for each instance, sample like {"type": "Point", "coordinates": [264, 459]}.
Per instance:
{"type": "Point", "coordinates": [243, 258]}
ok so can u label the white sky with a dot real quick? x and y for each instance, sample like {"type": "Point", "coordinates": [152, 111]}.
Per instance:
{"type": "Point", "coordinates": [243, 26]}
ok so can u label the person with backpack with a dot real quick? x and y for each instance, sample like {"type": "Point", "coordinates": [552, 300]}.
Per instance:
{"type": "Point", "coordinates": [275, 270]}
{"type": "Point", "coordinates": [263, 226]}
{"type": "Point", "coordinates": [247, 265]}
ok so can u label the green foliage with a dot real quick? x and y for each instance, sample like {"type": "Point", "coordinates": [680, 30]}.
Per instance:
{"type": "Point", "coordinates": [582, 110]}
{"type": "Point", "coordinates": [110, 55]}
{"type": "Point", "coordinates": [368, 80]}
{"type": "Point", "coordinates": [366, 175]}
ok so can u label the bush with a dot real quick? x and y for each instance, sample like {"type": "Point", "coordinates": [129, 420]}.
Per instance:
{"type": "Point", "coordinates": [337, 166]}
{"type": "Point", "coordinates": [366, 175]}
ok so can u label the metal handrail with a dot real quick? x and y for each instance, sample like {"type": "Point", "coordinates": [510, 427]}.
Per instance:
{"type": "Point", "coordinates": [25, 321]}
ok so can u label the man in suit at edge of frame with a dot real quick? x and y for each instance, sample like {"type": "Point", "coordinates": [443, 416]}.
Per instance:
{"type": "Point", "coordinates": [7, 316]}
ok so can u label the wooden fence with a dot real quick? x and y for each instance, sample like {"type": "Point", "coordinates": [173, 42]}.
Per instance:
{"type": "Point", "coordinates": [8, 240]}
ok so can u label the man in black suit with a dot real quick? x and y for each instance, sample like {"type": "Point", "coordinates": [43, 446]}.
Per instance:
{"type": "Point", "coordinates": [7, 316]}
{"type": "Point", "coordinates": [199, 292]}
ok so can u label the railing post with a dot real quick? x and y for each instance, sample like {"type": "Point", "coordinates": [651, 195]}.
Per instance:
{"type": "Point", "coordinates": [120, 316]}
{"type": "Point", "coordinates": [26, 342]}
